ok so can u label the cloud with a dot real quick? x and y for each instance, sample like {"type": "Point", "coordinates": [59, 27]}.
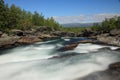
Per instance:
{"type": "Point", "coordinates": [70, 19]}
{"type": "Point", "coordinates": [84, 18]}
{"type": "Point", "coordinates": [101, 17]}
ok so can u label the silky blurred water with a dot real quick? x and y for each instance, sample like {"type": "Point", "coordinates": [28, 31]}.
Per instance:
{"type": "Point", "coordinates": [35, 62]}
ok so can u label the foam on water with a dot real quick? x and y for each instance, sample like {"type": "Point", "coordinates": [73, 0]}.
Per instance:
{"type": "Point", "coordinates": [56, 69]}
{"type": "Point", "coordinates": [89, 47]}
{"type": "Point", "coordinates": [32, 63]}
{"type": "Point", "coordinates": [28, 53]}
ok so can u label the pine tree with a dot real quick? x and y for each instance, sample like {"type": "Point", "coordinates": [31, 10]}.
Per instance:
{"type": "Point", "coordinates": [2, 15]}
{"type": "Point", "coordinates": [35, 19]}
{"type": "Point", "coordinates": [14, 16]}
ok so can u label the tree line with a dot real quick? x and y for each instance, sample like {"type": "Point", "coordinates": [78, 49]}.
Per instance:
{"type": "Point", "coordinates": [14, 17]}
{"type": "Point", "coordinates": [104, 27]}
{"type": "Point", "coordinates": [107, 25]}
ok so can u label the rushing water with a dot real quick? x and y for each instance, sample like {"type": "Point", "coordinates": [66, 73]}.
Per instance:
{"type": "Point", "coordinates": [35, 62]}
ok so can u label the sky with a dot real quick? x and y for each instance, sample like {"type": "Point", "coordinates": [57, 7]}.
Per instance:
{"type": "Point", "coordinates": [71, 11]}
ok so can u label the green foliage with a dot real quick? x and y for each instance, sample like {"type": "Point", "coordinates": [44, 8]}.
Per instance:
{"type": "Point", "coordinates": [72, 29]}
{"type": "Point", "coordinates": [25, 21]}
{"type": "Point", "coordinates": [107, 25]}
{"type": "Point", "coordinates": [117, 23]}
{"type": "Point", "coordinates": [37, 20]}
{"type": "Point", "coordinates": [95, 27]}
{"type": "Point", "coordinates": [50, 22]}
{"type": "Point", "coordinates": [14, 17]}
{"type": "Point", "coordinates": [3, 15]}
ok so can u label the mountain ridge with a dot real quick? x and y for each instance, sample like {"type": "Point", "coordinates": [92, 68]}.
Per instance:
{"type": "Point", "coordinates": [78, 24]}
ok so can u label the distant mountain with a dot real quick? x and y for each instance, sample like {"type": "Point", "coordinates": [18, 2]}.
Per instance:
{"type": "Point", "coordinates": [78, 24]}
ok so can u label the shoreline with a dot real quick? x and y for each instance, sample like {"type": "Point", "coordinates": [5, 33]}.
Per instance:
{"type": "Point", "coordinates": [113, 67]}
{"type": "Point", "coordinates": [19, 37]}
{"type": "Point", "coordinates": [10, 43]}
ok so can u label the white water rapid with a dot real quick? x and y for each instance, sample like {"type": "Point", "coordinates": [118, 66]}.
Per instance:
{"type": "Point", "coordinates": [33, 62]}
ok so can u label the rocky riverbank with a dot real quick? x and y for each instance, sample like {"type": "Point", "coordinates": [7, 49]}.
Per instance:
{"type": "Point", "coordinates": [110, 38]}
{"type": "Point", "coordinates": [20, 37]}
{"type": "Point", "coordinates": [113, 37]}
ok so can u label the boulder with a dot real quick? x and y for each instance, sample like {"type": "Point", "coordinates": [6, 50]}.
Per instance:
{"type": "Point", "coordinates": [71, 34]}
{"type": "Point", "coordinates": [28, 32]}
{"type": "Point", "coordinates": [59, 33]}
{"type": "Point", "coordinates": [1, 33]}
{"type": "Point", "coordinates": [28, 40]}
{"type": "Point", "coordinates": [118, 49]}
{"type": "Point", "coordinates": [115, 32]}
{"type": "Point", "coordinates": [112, 40]}
{"type": "Point", "coordinates": [80, 34]}
{"type": "Point", "coordinates": [113, 73]}
{"type": "Point", "coordinates": [4, 35]}
{"type": "Point", "coordinates": [43, 29]}
{"type": "Point", "coordinates": [71, 47]}
{"type": "Point", "coordinates": [17, 32]}
{"type": "Point", "coordinates": [88, 41]}
{"type": "Point", "coordinates": [64, 56]}
{"type": "Point", "coordinates": [8, 41]}
{"type": "Point", "coordinates": [85, 33]}
{"type": "Point", "coordinates": [115, 66]}
{"type": "Point", "coordinates": [68, 47]}
{"type": "Point", "coordinates": [63, 34]}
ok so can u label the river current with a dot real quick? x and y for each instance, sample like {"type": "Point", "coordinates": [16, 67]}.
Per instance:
{"type": "Point", "coordinates": [37, 62]}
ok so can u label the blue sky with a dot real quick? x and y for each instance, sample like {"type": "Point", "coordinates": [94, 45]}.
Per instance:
{"type": "Point", "coordinates": [70, 9]}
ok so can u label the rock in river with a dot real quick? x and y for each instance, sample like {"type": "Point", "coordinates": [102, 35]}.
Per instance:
{"type": "Point", "coordinates": [28, 40]}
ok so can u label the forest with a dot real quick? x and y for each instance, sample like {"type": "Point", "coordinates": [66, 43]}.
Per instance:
{"type": "Point", "coordinates": [13, 17]}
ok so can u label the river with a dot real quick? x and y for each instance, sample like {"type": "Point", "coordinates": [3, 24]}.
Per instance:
{"type": "Point", "coordinates": [35, 62]}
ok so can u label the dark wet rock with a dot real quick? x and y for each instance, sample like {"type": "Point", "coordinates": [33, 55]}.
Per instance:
{"type": "Point", "coordinates": [17, 32]}
{"type": "Point", "coordinates": [85, 33]}
{"type": "Point", "coordinates": [102, 75]}
{"type": "Point", "coordinates": [112, 73]}
{"type": "Point", "coordinates": [71, 34]}
{"type": "Point", "coordinates": [80, 34]}
{"type": "Point", "coordinates": [64, 56]}
{"type": "Point", "coordinates": [118, 49]}
{"type": "Point", "coordinates": [20, 34]}
{"type": "Point", "coordinates": [115, 66]}
{"type": "Point", "coordinates": [105, 48]}
{"type": "Point", "coordinates": [1, 33]}
{"type": "Point", "coordinates": [68, 47]}
{"type": "Point", "coordinates": [88, 33]}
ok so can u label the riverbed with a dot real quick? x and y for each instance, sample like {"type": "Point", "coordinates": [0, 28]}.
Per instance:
{"type": "Point", "coordinates": [37, 62]}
